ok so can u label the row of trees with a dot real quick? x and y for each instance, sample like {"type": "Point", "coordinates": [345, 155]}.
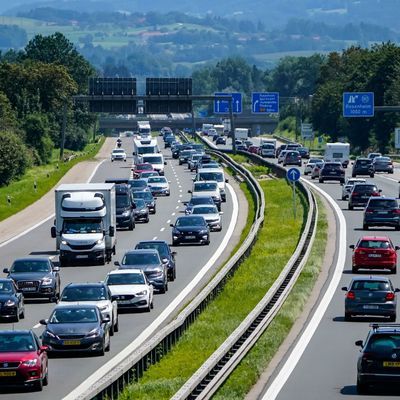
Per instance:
{"type": "Point", "coordinates": [35, 83]}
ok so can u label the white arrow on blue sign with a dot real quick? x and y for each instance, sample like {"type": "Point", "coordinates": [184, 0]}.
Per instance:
{"type": "Point", "coordinates": [293, 174]}
{"type": "Point", "coordinates": [265, 103]}
{"type": "Point", "coordinates": [358, 104]}
{"type": "Point", "coordinates": [221, 106]}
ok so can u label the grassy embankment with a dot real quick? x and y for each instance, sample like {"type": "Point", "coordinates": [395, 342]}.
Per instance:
{"type": "Point", "coordinates": [216, 323]}
{"type": "Point", "coordinates": [22, 192]}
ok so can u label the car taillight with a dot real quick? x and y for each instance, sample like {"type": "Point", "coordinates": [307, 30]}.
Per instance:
{"type": "Point", "coordinates": [351, 295]}
{"type": "Point", "coordinates": [375, 194]}
{"type": "Point", "coordinates": [390, 296]}
{"type": "Point", "coordinates": [369, 211]}
{"type": "Point", "coordinates": [396, 211]}
{"type": "Point", "coordinates": [354, 193]}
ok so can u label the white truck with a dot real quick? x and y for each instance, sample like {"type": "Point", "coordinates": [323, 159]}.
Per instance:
{"type": "Point", "coordinates": [337, 152]}
{"type": "Point", "coordinates": [268, 148]}
{"type": "Point", "coordinates": [144, 129]}
{"type": "Point", "coordinates": [227, 125]}
{"type": "Point", "coordinates": [241, 133]}
{"type": "Point", "coordinates": [219, 129]}
{"type": "Point", "coordinates": [85, 223]}
{"type": "Point", "coordinates": [205, 128]}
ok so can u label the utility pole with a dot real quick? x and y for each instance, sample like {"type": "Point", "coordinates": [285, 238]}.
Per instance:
{"type": "Point", "coordinates": [63, 127]}
{"type": "Point", "coordinates": [231, 117]}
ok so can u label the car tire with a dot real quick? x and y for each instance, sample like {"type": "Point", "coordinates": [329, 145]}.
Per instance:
{"type": "Point", "coordinates": [112, 330]}
{"type": "Point", "coordinates": [131, 226]}
{"type": "Point", "coordinates": [347, 316]}
{"type": "Point", "coordinates": [320, 180]}
{"type": "Point", "coordinates": [353, 175]}
{"type": "Point", "coordinates": [16, 318]}
{"type": "Point", "coordinates": [147, 219]}
{"type": "Point", "coordinates": [397, 228]}
{"type": "Point", "coordinates": [116, 327]}
{"type": "Point", "coordinates": [22, 314]}
{"type": "Point", "coordinates": [175, 243]}
{"type": "Point", "coordinates": [163, 290]}
{"type": "Point", "coordinates": [342, 181]}
{"type": "Point", "coordinates": [393, 270]}
{"type": "Point", "coordinates": [362, 388]}
{"type": "Point", "coordinates": [38, 385]}
{"type": "Point", "coordinates": [350, 207]}
{"type": "Point", "coordinates": [371, 175]}
{"type": "Point", "coordinates": [305, 173]}
{"type": "Point", "coordinates": [46, 377]}
{"type": "Point", "coordinates": [365, 227]}
{"type": "Point", "coordinates": [312, 177]}
{"type": "Point", "coordinates": [343, 198]}
{"type": "Point", "coordinates": [102, 350]}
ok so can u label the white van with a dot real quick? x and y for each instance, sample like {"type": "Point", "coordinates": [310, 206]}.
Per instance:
{"type": "Point", "coordinates": [337, 152]}
{"type": "Point", "coordinates": [156, 160]}
{"type": "Point", "coordinates": [213, 174]}
{"type": "Point", "coordinates": [144, 146]}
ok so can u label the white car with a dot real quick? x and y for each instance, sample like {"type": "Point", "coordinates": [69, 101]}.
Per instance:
{"type": "Point", "coordinates": [210, 214]}
{"type": "Point", "coordinates": [310, 165]}
{"type": "Point", "coordinates": [159, 185]}
{"type": "Point", "coordinates": [96, 294]}
{"type": "Point", "coordinates": [348, 186]}
{"type": "Point", "coordinates": [281, 156]}
{"type": "Point", "coordinates": [207, 188]}
{"type": "Point", "coordinates": [118, 155]}
{"type": "Point", "coordinates": [130, 288]}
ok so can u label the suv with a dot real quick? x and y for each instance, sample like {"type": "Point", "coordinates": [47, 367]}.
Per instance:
{"type": "Point", "coordinates": [97, 294]}
{"type": "Point", "coordinates": [125, 207]}
{"type": "Point", "coordinates": [363, 166]}
{"type": "Point", "coordinates": [361, 193]}
{"type": "Point", "coordinates": [292, 157]}
{"type": "Point", "coordinates": [379, 355]}
{"type": "Point", "coordinates": [382, 211]}
{"type": "Point", "coordinates": [331, 171]}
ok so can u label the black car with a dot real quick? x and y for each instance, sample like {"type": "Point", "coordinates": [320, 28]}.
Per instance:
{"type": "Point", "coordinates": [196, 201]}
{"type": "Point", "coordinates": [178, 148]}
{"type": "Point", "coordinates": [189, 229]}
{"type": "Point", "coordinates": [331, 171]}
{"type": "Point", "coordinates": [378, 362]}
{"type": "Point", "coordinates": [168, 140]}
{"type": "Point", "coordinates": [141, 211]}
{"type": "Point", "coordinates": [148, 198]}
{"type": "Point", "coordinates": [138, 185]}
{"type": "Point", "coordinates": [77, 328]}
{"type": "Point", "coordinates": [35, 277]}
{"type": "Point", "coordinates": [149, 261]}
{"type": "Point", "coordinates": [167, 256]}
{"type": "Point", "coordinates": [304, 152]}
{"type": "Point", "coordinates": [382, 211]}
{"type": "Point", "coordinates": [360, 194]}
{"type": "Point", "coordinates": [184, 155]}
{"type": "Point", "coordinates": [363, 166]}
{"type": "Point", "coordinates": [221, 140]}
{"type": "Point", "coordinates": [292, 157]}
{"type": "Point", "coordinates": [12, 301]}
{"type": "Point", "coordinates": [125, 207]}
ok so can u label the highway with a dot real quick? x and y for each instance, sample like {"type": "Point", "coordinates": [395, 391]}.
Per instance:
{"type": "Point", "coordinates": [66, 373]}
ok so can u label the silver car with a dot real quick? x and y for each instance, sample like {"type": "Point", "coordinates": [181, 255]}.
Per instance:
{"type": "Point", "coordinates": [159, 185]}
{"type": "Point", "coordinates": [310, 165]}
{"type": "Point", "coordinates": [210, 214]}
{"type": "Point", "coordinates": [348, 186]}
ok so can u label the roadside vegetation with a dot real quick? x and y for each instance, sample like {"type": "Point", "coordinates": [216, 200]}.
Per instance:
{"type": "Point", "coordinates": [23, 192]}
{"type": "Point", "coordinates": [255, 276]}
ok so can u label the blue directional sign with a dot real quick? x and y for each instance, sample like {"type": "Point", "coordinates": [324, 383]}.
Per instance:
{"type": "Point", "coordinates": [222, 106]}
{"type": "Point", "coordinates": [358, 104]}
{"type": "Point", "coordinates": [293, 174]}
{"type": "Point", "coordinates": [265, 103]}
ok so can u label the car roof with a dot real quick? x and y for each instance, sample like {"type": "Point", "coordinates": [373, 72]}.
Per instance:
{"type": "Point", "coordinates": [370, 278]}
{"type": "Point", "coordinates": [125, 271]}
{"type": "Point", "coordinates": [75, 306]}
{"type": "Point", "coordinates": [85, 284]}
{"type": "Point", "coordinates": [386, 328]}
{"type": "Point", "coordinates": [375, 238]}
{"type": "Point", "coordinates": [32, 259]}
{"type": "Point", "coordinates": [153, 241]}
{"type": "Point", "coordinates": [17, 332]}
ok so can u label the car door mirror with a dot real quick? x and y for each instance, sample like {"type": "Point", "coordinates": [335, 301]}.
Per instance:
{"type": "Point", "coordinates": [189, 191]}
{"type": "Point", "coordinates": [359, 343]}
{"type": "Point", "coordinates": [351, 246]}
{"type": "Point", "coordinates": [226, 180]}
{"type": "Point", "coordinates": [397, 290]}
{"type": "Point", "coordinates": [43, 349]}
{"type": "Point", "coordinates": [117, 263]}
{"type": "Point", "coordinates": [380, 190]}
{"type": "Point", "coordinates": [105, 320]}
{"type": "Point", "coordinates": [6, 270]}
{"type": "Point", "coordinates": [344, 288]}
{"type": "Point", "coordinates": [53, 232]}
{"type": "Point", "coordinates": [174, 253]}
{"type": "Point", "coordinates": [171, 225]}
{"type": "Point", "coordinates": [43, 321]}
{"type": "Point", "coordinates": [165, 163]}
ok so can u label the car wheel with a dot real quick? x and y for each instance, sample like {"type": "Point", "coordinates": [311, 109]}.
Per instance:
{"type": "Point", "coordinates": [102, 350]}
{"type": "Point", "coordinates": [394, 270]}
{"type": "Point", "coordinates": [397, 228]}
{"type": "Point", "coordinates": [46, 377]}
{"type": "Point", "coordinates": [131, 225]}
{"type": "Point", "coordinates": [350, 207]}
{"type": "Point", "coordinates": [371, 175]}
{"type": "Point", "coordinates": [163, 290]}
{"type": "Point", "coordinates": [147, 219]}
{"type": "Point", "coordinates": [174, 273]}
{"type": "Point", "coordinates": [152, 304]}
{"type": "Point", "coordinates": [312, 177]}
{"type": "Point", "coordinates": [320, 180]}
{"type": "Point", "coordinates": [342, 181]}
{"type": "Point", "coordinates": [175, 243]}
{"type": "Point", "coordinates": [38, 385]}
{"type": "Point", "coordinates": [347, 316]}
{"type": "Point", "coordinates": [112, 330]}
{"type": "Point", "coordinates": [365, 227]}
{"type": "Point", "coordinates": [148, 308]}
{"type": "Point", "coordinates": [353, 175]}
{"type": "Point", "coordinates": [362, 388]}
{"type": "Point", "coordinates": [343, 198]}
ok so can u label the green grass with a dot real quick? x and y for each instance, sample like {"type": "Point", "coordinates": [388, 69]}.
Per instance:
{"type": "Point", "coordinates": [226, 312]}
{"type": "Point", "coordinates": [22, 192]}
{"type": "Point", "coordinates": [249, 370]}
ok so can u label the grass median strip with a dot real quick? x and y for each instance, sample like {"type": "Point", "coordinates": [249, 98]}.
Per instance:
{"type": "Point", "coordinates": [276, 243]}
{"type": "Point", "coordinates": [20, 194]}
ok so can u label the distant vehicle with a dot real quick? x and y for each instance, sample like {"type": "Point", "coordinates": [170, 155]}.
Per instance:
{"type": "Point", "coordinates": [348, 186]}
{"type": "Point", "coordinates": [337, 152]}
{"type": "Point", "coordinates": [363, 166]}
{"type": "Point", "coordinates": [125, 206]}
{"type": "Point", "coordinates": [205, 128]}
{"type": "Point", "coordinates": [193, 161]}
{"type": "Point", "coordinates": [217, 175]}
{"type": "Point", "coordinates": [77, 328]}
{"type": "Point", "coordinates": [241, 133]}
{"type": "Point", "coordinates": [139, 185]}
{"type": "Point", "coordinates": [164, 130]}
{"type": "Point", "coordinates": [255, 150]}
{"type": "Point", "coordinates": [141, 211]}
{"type": "Point", "coordinates": [267, 150]}
{"type": "Point", "coordinates": [281, 156]}
{"type": "Point", "coordinates": [316, 169]}
{"type": "Point", "coordinates": [221, 140]}
{"type": "Point", "coordinates": [370, 295]}
{"type": "Point", "coordinates": [184, 155]}
{"type": "Point", "coordinates": [35, 277]}
{"type": "Point", "coordinates": [219, 129]}
{"type": "Point", "coordinates": [373, 155]}
{"type": "Point", "coordinates": [383, 164]}
{"type": "Point", "coordinates": [360, 194]}
{"type": "Point", "coordinates": [144, 146]}
{"type": "Point", "coordinates": [382, 211]}
{"type": "Point", "coordinates": [156, 160]}
{"type": "Point", "coordinates": [292, 158]}
{"type": "Point", "coordinates": [210, 214]}
{"type": "Point", "coordinates": [374, 252]}
{"type": "Point", "coordinates": [310, 165]}
{"type": "Point", "coordinates": [143, 128]}
{"type": "Point", "coordinates": [139, 168]}
{"type": "Point", "coordinates": [131, 289]}
{"type": "Point", "coordinates": [207, 188]}
{"type": "Point", "coordinates": [24, 361]}
{"type": "Point", "coordinates": [189, 229]}
{"type": "Point", "coordinates": [198, 200]}
{"type": "Point", "coordinates": [331, 171]}
{"type": "Point", "coordinates": [118, 155]}
{"type": "Point", "coordinates": [304, 152]}
{"type": "Point", "coordinates": [12, 300]}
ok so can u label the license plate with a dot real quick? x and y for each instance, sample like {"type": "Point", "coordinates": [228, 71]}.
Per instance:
{"type": "Point", "coordinates": [391, 364]}
{"type": "Point", "coordinates": [190, 237]}
{"type": "Point", "coordinates": [82, 256]}
{"type": "Point", "coordinates": [28, 289]}
{"type": "Point", "coordinates": [369, 307]}
{"type": "Point", "coordinates": [124, 302]}
{"type": "Point", "coordinates": [8, 373]}
{"type": "Point", "coordinates": [332, 173]}
{"type": "Point", "coordinates": [375, 255]}
{"type": "Point", "coordinates": [71, 342]}
{"type": "Point", "coordinates": [382, 212]}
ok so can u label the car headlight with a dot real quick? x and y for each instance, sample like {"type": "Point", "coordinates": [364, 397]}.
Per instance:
{"type": "Point", "coordinates": [30, 363]}
{"type": "Point", "coordinates": [94, 333]}
{"type": "Point", "coordinates": [125, 214]}
{"type": "Point", "coordinates": [49, 334]}
{"type": "Point", "coordinates": [142, 293]}
{"type": "Point", "coordinates": [64, 242]}
{"type": "Point", "coordinates": [100, 241]}
{"type": "Point", "coordinates": [47, 280]}
{"type": "Point", "coordinates": [156, 272]}
{"type": "Point", "coordinates": [203, 232]}
{"type": "Point", "coordinates": [10, 303]}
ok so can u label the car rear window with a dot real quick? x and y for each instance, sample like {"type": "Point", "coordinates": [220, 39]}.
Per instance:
{"type": "Point", "coordinates": [365, 188]}
{"type": "Point", "coordinates": [383, 203]}
{"type": "Point", "coordinates": [374, 244]}
{"type": "Point", "coordinates": [331, 167]}
{"type": "Point", "coordinates": [383, 343]}
{"type": "Point", "coordinates": [363, 162]}
{"type": "Point", "coordinates": [370, 285]}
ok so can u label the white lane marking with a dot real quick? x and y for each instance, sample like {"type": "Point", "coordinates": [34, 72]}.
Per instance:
{"type": "Point", "coordinates": [173, 214]}
{"type": "Point", "coordinates": [154, 326]}
{"type": "Point", "coordinates": [46, 219]}
{"type": "Point", "coordinates": [176, 207]}
{"type": "Point", "coordinates": [169, 221]}
{"type": "Point", "coordinates": [180, 190]}
{"type": "Point", "coordinates": [162, 229]}
{"type": "Point", "coordinates": [389, 179]}
{"type": "Point", "coordinates": [37, 326]}
{"type": "Point", "coordinates": [155, 238]}
{"type": "Point", "coordinates": [180, 195]}
{"type": "Point", "coordinates": [290, 364]}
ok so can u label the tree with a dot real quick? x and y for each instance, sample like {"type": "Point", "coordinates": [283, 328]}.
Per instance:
{"type": "Point", "coordinates": [8, 118]}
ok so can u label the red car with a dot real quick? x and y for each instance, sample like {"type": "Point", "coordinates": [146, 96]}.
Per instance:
{"type": "Point", "coordinates": [374, 252]}
{"type": "Point", "coordinates": [139, 168]}
{"type": "Point", "coordinates": [254, 149]}
{"type": "Point", "coordinates": [23, 361]}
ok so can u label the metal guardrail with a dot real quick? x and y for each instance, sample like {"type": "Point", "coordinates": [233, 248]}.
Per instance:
{"type": "Point", "coordinates": [139, 360]}
{"type": "Point", "coordinates": [211, 375]}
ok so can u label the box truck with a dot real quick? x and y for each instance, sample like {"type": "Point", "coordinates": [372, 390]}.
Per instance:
{"type": "Point", "coordinates": [241, 133]}
{"type": "Point", "coordinates": [85, 223]}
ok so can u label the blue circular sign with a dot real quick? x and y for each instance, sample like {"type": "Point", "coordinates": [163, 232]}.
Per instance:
{"type": "Point", "coordinates": [293, 174]}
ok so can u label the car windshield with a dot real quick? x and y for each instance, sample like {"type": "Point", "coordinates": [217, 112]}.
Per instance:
{"type": "Point", "coordinates": [144, 167]}
{"type": "Point", "coordinates": [314, 160]}
{"type": "Point", "coordinates": [153, 159]}
{"type": "Point", "coordinates": [363, 162]}
{"type": "Point", "coordinates": [374, 244]}
{"type": "Point", "coordinates": [16, 342]}
{"type": "Point", "coordinates": [6, 287]}
{"type": "Point", "coordinates": [30, 266]}
{"type": "Point", "coordinates": [82, 226]}
{"type": "Point", "coordinates": [64, 315]}
{"type": "Point", "coordinates": [84, 293]}
{"type": "Point", "coordinates": [140, 259]}
{"type": "Point", "coordinates": [384, 203]}
{"type": "Point", "coordinates": [211, 176]}
{"type": "Point", "coordinates": [190, 221]}
{"type": "Point", "coordinates": [148, 174]}
{"type": "Point", "coordinates": [331, 167]}
{"type": "Point", "coordinates": [205, 210]}
{"type": "Point", "coordinates": [384, 343]}
{"type": "Point", "coordinates": [125, 279]}
{"type": "Point", "coordinates": [140, 203]}
{"type": "Point", "coordinates": [162, 248]}
{"type": "Point", "coordinates": [205, 187]}
{"type": "Point", "coordinates": [138, 183]}
{"type": "Point", "coordinates": [157, 179]}
{"type": "Point", "coordinates": [122, 201]}
{"type": "Point", "coordinates": [119, 151]}
{"type": "Point", "coordinates": [370, 285]}
{"type": "Point", "coordinates": [143, 195]}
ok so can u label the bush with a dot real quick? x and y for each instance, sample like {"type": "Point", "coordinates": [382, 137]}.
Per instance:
{"type": "Point", "coordinates": [76, 139]}
{"type": "Point", "coordinates": [14, 157]}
